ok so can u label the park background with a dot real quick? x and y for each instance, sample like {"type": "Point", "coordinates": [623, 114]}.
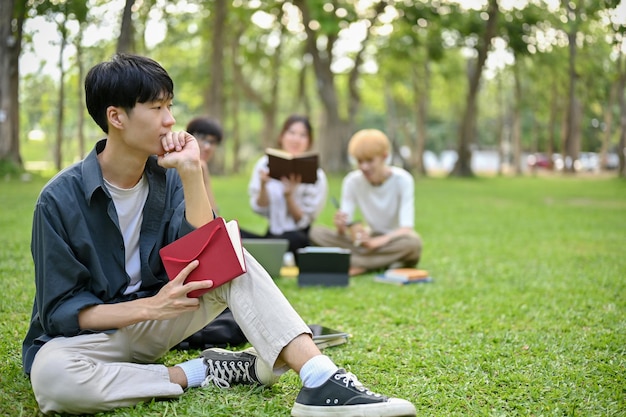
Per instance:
{"type": "Point", "coordinates": [537, 78]}
{"type": "Point", "coordinates": [526, 314]}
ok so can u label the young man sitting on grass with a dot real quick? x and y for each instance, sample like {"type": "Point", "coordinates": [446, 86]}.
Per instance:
{"type": "Point", "coordinates": [105, 310]}
{"type": "Point", "coordinates": [384, 195]}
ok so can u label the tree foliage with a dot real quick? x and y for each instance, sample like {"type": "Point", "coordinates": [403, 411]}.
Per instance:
{"type": "Point", "coordinates": [427, 72]}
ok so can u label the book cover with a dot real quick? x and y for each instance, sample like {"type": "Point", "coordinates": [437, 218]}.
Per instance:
{"type": "Point", "coordinates": [283, 164]}
{"type": "Point", "coordinates": [406, 273]}
{"type": "Point", "coordinates": [217, 245]}
{"type": "Point", "coordinates": [401, 281]}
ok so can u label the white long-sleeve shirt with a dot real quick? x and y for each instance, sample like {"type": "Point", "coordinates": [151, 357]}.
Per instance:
{"type": "Point", "coordinates": [309, 197]}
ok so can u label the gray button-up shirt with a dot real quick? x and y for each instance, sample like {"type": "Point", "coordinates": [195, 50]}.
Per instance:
{"type": "Point", "coordinates": [78, 249]}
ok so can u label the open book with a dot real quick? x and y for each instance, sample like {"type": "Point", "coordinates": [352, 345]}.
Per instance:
{"type": "Point", "coordinates": [217, 245]}
{"type": "Point", "coordinates": [283, 164]}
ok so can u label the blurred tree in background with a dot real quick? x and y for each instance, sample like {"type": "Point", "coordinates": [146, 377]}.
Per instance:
{"type": "Point", "coordinates": [436, 75]}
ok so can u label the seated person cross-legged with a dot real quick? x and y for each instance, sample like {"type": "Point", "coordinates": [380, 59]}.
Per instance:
{"type": "Point", "coordinates": [289, 205]}
{"type": "Point", "coordinates": [105, 311]}
{"type": "Point", "coordinates": [384, 195]}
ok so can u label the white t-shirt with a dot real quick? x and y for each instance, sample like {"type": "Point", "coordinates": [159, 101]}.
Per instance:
{"type": "Point", "coordinates": [129, 204]}
{"type": "Point", "coordinates": [309, 197]}
{"type": "Point", "coordinates": [384, 207]}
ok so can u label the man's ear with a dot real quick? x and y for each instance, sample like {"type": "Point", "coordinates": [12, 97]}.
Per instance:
{"type": "Point", "coordinates": [116, 117]}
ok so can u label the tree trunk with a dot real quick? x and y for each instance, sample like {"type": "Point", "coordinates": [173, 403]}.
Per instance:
{"type": "Point", "coordinates": [517, 122]}
{"type": "Point", "coordinates": [552, 122]}
{"type": "Point", "coordinates": [563, 145]}
{"type": "Point", "coordinates": [58, 149]}
{"type": "Point", "coordinates": [236, 110]}
{"type": "Point", "coordinates": [126, 42]}
{"type": "Point", "coordinates": [572, 133]}
{"type": "Point", "coordinates": [302, 95]}
{"type": "Point", "coordinates": [214, 101]}
{"type": "Point", "coordinates": [266, 100]}
{"type": "Point", "coordinates": [391, 127]}
{"type": "Point", "coordinates": [608, 113]}
{"type": "Point", "coordinates": [463, 165]}
{"type": "Point", "coordinates": [214, 95]}
{"type": "Point", "coordinates": [333, 145]}
{"type": "Point", "coordinates": [621, 147]}
{"type": "Point", "coordinates": [79, 92]}
{"type": "Point", "coordinates": [12, 15]}
{"type": "Point", "coordinates": [337, 129]}
{"type": "Point", "coordinates": [333, 139]}
{"type": "Point", "coordinates": [421, 101]}
{"type": "Point", "coordinates": [500, 128]}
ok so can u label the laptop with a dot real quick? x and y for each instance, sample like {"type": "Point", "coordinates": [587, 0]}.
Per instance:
{"type": "Point", "coordinates": [268, 252]}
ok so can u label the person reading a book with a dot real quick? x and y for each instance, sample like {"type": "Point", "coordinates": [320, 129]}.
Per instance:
{"type": "Point", "coordinates": [105, 310]}
{"type": "Point", "coordinates": [289, 204]}
{"type": "Point", "coordinates": [208, 132]}
{"type": "Point", "coordinates": [384, 196]}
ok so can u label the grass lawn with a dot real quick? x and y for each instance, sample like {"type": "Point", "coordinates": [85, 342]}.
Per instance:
{"type": "Point", "coordinates": [526, 316]}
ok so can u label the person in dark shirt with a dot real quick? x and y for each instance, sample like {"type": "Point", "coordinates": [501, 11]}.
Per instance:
{"type": "Point", "coordinates": [105, 310]}
{"type": "Point", "coordinates": [209, 134]}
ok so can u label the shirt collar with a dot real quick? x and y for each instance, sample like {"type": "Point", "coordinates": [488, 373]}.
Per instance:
{"type": "Point", "coordinates": [92, 173]}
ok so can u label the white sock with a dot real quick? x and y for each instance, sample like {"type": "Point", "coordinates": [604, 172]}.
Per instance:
{"type": "Point", "coordinates": [317, 370]}
{"type": "Point", "coordinates": [195, 370]}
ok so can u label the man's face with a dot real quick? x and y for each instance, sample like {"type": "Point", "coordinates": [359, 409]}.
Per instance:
{"type": "Point", "coordinates": [146, 125]}
{"type": "Point", "coordinates": [208, 144]}
{"type": "Point", "coordinates": [374, 169]}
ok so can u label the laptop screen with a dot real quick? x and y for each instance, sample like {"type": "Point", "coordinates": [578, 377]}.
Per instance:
{"type": "Point", "coordinates": [268, 252]}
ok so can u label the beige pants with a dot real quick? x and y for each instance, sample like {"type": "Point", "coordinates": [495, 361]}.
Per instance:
{"type": "Point", "coordinates": [98, 372]}
{"type": "Point", "coordinates": [405, 249]}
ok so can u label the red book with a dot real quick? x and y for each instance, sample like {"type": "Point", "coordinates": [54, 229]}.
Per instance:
{"type": "Point", "coordinates": [217, 245]}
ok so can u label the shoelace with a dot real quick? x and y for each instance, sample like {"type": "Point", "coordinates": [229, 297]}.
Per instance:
{"type": "Point", "coordinates": [223, 373]}
{"type": "Point", "coordinates": [350, 379]}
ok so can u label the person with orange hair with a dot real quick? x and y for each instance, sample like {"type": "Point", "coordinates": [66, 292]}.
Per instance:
{"type": "Point", "coordinates": [384, 195]}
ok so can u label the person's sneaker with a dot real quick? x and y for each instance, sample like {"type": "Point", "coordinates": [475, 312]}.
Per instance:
{"type": "Point", "coordinates": [226, 368]}
{"type": "Point", "coordinates": [343, 395]}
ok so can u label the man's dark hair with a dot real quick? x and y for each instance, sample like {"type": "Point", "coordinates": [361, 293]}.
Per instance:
{"type": "Point", "coordinates": [205, 126]}
{"type": "Point", "coordinates": [124, 81]}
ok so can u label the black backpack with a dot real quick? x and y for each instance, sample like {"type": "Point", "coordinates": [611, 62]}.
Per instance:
{"type": "Point", "coordinates": [223, 331]}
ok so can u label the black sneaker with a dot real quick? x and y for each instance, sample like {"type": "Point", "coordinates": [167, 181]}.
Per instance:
{"type": "Point", "coordinates": [343, 395]}
{"type": "Point", "coordinates": [226, 368]}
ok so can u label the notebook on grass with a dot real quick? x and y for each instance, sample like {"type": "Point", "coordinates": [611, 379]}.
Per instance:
{"type": "Point", "coordinates": [404, 276]}
{"type": "Point", "coordinates": [326, 337]}
{"type": "Point", "coordinates": [268, 252]}
{"type": "Point", "coordinates": [323, 266]}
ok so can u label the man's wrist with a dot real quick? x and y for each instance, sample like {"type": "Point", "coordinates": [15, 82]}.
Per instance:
{"type": "Point", "coordinates": [189, 168]}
